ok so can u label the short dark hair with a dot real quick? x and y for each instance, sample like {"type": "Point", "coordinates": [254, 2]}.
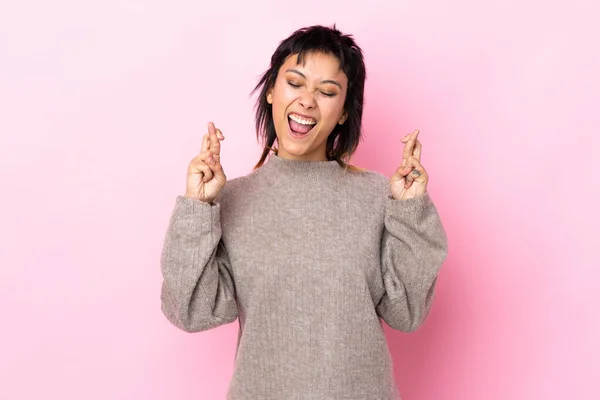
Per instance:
{"type": "Point", "coordinates": [344, 139]}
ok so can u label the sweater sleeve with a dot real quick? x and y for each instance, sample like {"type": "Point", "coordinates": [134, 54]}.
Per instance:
{"type": "Point", "coordinates": [413, 247]}
{"type": "Point", "coordinates": [198, 290]}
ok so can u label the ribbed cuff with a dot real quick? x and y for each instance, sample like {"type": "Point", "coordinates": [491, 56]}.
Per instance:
{"type": "Point", "coordinates": [198, 213]}
{"type": "Point", "coordinates": [409, 210]}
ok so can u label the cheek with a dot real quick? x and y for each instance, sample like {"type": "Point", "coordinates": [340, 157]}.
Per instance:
{"type": "Point", "coordinates": [278, 110]}
{"type": "Point", "coordinates": [332, 111]}
{"type": "Point", "coordinates": [283, 97]}
{"type": "Point", "coordinates": [283, 94]}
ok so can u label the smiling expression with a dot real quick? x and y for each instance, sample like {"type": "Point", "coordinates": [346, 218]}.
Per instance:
{"type": "Point", "coordinates": [307, 97]}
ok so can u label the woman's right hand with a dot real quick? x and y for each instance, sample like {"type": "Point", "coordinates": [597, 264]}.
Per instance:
{"type": "Point", "coordinates": [205, 178]}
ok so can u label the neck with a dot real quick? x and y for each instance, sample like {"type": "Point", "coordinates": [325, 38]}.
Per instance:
{"type": "Point", "coordinates": [303, 157]}
{"type": "Point", "coordinates": [302, 170]}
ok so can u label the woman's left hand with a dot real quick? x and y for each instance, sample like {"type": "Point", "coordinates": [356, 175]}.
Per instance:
{"type": "Point", "coordinates": [410, 179]}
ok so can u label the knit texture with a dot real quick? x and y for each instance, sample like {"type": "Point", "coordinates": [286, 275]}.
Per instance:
{"type": "Point", "coordinates": [309, 257]}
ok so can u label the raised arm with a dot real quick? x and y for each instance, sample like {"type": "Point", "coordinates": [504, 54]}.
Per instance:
{"type": "Point", "coordinates": [414, 244]}
{"type": "Point", "coordinates": [198, 290]}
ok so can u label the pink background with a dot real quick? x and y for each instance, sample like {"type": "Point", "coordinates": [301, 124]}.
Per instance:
{"type": "Point", "coordinates": [102, 105]}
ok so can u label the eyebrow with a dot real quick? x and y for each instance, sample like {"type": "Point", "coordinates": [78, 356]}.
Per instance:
{"type": "Point", "coordinates": [304, 76]}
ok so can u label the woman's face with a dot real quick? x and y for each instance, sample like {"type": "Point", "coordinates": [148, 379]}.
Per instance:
{"type": "Point", "coordinates": [308, 102]}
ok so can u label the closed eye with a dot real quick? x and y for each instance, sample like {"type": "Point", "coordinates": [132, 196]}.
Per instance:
{"type": "Point", "coordinates": [327, 94]}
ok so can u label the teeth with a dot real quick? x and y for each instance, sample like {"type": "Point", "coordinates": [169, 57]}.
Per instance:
{"type": "Point", "coordinates": [302, 121]}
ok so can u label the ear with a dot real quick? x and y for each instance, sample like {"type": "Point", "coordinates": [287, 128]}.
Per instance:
{"type": "Point", "coordinates": [343, 118]}
{"type": "Point", "coordinates": [270, 96]}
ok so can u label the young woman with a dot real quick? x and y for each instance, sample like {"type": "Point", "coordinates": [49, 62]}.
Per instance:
{"type": "Point", "coordinates": [306, 251]}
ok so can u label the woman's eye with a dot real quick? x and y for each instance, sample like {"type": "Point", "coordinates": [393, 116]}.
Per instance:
{"type": "Point", "coordinates": [292, 84]}
{"type": "Point", "coordinates": [328, 94]}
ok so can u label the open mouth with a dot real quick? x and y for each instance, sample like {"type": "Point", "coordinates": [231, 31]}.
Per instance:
{"type": "Point", "coordinates": [299, 125]}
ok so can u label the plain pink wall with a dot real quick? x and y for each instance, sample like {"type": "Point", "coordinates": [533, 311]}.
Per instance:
{"type": "Point", "coordinates": [102, 105]}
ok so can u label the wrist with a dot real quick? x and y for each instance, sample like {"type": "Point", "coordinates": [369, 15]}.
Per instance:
{"type": "Point", "coordinates": [195, 197]}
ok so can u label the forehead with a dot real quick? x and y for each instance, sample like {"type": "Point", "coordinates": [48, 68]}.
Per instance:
{"type": "Point", "coordinates": [316, 65]}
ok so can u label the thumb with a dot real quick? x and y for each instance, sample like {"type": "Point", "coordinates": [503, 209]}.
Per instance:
{"type": "Point", "coordinates": [402, 171]}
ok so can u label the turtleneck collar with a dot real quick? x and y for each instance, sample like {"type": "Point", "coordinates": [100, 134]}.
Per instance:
{"type": "Point", "coordinates": [303, 170]}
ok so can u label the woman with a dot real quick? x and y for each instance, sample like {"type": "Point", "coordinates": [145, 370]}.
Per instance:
{"type": "Point", "coordinates": [308, 252]}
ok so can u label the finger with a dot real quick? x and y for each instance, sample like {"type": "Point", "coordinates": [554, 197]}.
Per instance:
{"type": "Point", "coordinates": [409, 146]}
{"type": "Point", "coordinates": [198, 166]}
{"type": "Point", "coordinates": [217, 168]}
{"type": "Point", "coordinates": [214, 143]}
{"type": "Point", "coordinates": [214, 163]}
{"type": "Point", "coordinates": [408, 136]}
{"type": "Point", "coordinates": [208, 157]}
{"type": "Point", "coordinates": [216, 131]}
{"type": "Point", "coordinates": [418, 150]}
{"type": "Point", "coordinates": [205, 143]}
{"type": "Point", "coordinates": [403, 169]}
{"type": "Point", "coordinates": [213, 160]}
{"type": "Point", "coordinates": [417, 173]}
{"type": "Point", "coordinates": [400, 174]}
{"type": "Point", "coordinates": [211, 128]}
{"type": "Point", "coordinates": [205, 138]}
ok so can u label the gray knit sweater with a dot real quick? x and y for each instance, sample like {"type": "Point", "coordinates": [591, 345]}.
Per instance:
{"type": "Point", "coordinates": [308, 256]}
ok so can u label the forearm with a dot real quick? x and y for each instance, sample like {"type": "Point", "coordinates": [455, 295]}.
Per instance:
{"type": "Point", "coordinates": [197, 291]}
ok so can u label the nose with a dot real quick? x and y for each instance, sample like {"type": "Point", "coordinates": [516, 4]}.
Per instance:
{"type": "Point", "coordinates": [307, 99]}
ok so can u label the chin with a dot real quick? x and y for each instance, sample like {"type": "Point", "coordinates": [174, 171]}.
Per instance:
{"type": "Point", "coordinates": [292, 149]}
